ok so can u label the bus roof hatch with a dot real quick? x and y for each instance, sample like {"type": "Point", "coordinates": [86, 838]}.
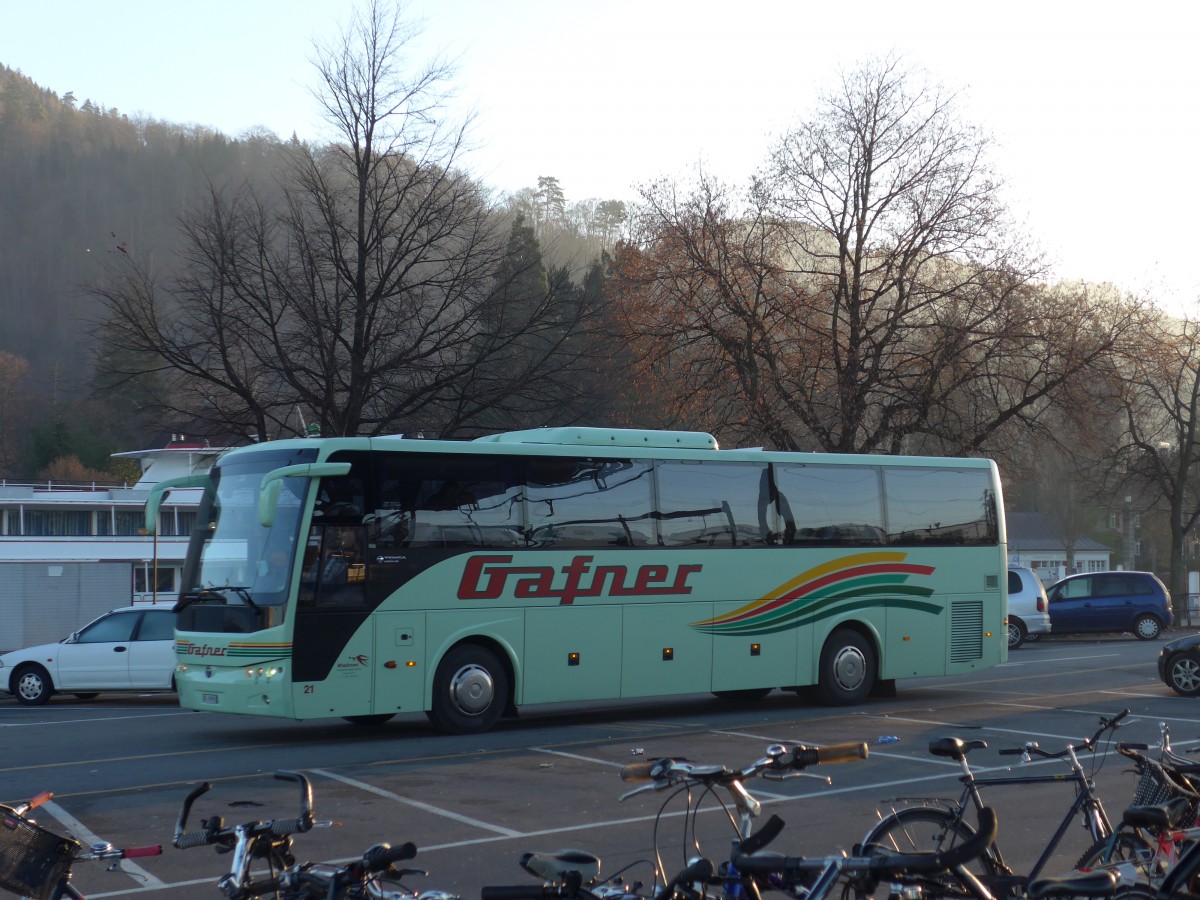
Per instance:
{"type": "Point", "coordinates": [608, 437]}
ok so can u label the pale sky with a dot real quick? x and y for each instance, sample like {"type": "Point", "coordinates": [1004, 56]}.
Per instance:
{"type": "Point", "coordinates": [1092, 103]}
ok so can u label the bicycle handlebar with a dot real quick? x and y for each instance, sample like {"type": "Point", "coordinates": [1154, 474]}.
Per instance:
{"type": "Point", "coordinates": [1089, 744]}
{"type": "Point", "coordinates": [215, 831]}
{"type": "Point", "coordinates": [780, 758]}
{"type": "Point", "coordinates": [879, 865]}
{"type": "Point", "coordinates": [699, 869]}
{"type": "Point", "coordinates": [380, 857]}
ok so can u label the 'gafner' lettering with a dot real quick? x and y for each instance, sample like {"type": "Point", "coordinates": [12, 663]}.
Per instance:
{"type": "Point", "coordinates": [485, 578]}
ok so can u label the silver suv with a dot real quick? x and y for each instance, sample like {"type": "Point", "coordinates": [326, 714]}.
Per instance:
{"type": "Point", "coordinates": [1028, 608]}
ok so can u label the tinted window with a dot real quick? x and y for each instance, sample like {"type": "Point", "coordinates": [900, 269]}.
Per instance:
{"type": "Point", "coordinates": [713, 504]}
{"type": "Point", "coordinates": [448, 501]}
{"type": "Point", "coordinates": [588, 503]}
{"type": "Point", "coordinates": [940, 506]}
{"type": "Point", "coordinates": [838, 504]}
{"type": "Point", "coordinates": [1014, 583]}
{"type": "Point", "coordinates": [157, 626]}
{"type": "Point", "coordinates": [117, 627]}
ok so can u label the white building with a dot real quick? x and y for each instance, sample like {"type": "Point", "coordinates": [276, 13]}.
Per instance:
{"type": "Point", "coordinates": [1038, 541]}
{"type": "Point", "coordinates": [71, 552]}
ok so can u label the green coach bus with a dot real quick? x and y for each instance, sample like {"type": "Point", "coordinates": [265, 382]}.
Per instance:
{"type": "Point", "coordinates": [365, 577]}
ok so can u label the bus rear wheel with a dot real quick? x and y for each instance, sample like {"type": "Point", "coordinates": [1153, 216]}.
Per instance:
{"type": "Point", "coordinates": [470, 690]}
{"type": "Point", "coordinates": [848, 669]}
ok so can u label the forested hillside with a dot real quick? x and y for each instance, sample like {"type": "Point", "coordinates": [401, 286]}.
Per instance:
{"type": "Point", "coordinates": [78, 182]}
{"type": "Point", "coordinates": [82, 189]}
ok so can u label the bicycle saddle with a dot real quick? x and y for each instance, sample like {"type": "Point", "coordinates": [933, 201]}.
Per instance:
{"type": "Point", "coordinates": [953, 747]}
{"type": "Point", "coordinates": [553, 866]}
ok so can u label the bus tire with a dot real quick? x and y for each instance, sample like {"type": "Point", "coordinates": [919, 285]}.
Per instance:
{"type": "Point", "coordinates": [848, 669]}
{"type": "Point", "coordinates": [470, 690]}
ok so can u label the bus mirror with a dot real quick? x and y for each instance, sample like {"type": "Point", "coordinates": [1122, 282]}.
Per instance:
{"type": "Point", "coordinates": [159, 492]}
{"type": "Point", "coordinates": [268, 493]}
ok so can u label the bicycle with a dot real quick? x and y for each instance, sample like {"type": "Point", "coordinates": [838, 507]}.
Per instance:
{"type": "Point", "coordinates": [364, 878]}
{"type": "Point", "coordinates": [575, 873]}
{"type": "Point", "coordinates": [940, 822]}
{"type": "Point", "coordinates": [1162, 821]}
{"type": "Point", "coordinates": [37, 863]}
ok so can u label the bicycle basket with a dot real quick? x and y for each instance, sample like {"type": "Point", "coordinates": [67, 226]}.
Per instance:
{"type": "Point", "coordinates": [1152, 790]}
{"type": "Point", "coordinates": [32, 859]}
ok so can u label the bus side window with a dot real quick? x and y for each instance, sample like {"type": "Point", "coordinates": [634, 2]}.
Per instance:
{"type": "Point", "coordinates": [334, 574]}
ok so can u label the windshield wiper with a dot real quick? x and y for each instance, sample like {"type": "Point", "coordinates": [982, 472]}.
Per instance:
{"type": "Point", "coordinates": [206, 594]}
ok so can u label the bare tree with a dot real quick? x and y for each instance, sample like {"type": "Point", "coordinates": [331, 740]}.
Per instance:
{"type": "Point", "coordinates": [367, 299]}
{"type": "Point", "coordinates": [1159, 404]}
{"type": "Point", "coordinates": [868, 293]}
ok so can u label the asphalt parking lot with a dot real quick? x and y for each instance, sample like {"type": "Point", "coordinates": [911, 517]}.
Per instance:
{"type": "Point", "coordinates": [120, 768]}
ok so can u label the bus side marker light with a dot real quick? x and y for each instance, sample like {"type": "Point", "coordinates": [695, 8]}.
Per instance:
{"type": "Point", "coordinates": [411, 664]}
{"type": "Point", "coordinates": [572, 659]}
{"type": "Point", "coordinates": [755, 649]}
{"type": "Point", "coordinates": [906, 638]}
{"type": "Point", "coordinates": [668, 654]}
{"type": "Point", "coordinates": [390, 664]}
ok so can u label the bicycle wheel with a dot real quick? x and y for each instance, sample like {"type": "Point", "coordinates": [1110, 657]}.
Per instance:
{"type": "Point", "coordinates": [921, 829]}
{"type": "Point", "coordinates": [1121, 846]}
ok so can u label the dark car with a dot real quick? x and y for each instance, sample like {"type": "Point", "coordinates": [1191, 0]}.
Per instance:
{"type": "Point", "coordinates": [1179, 665]}
{"type": "Point", "coordinates": [1110, 601]}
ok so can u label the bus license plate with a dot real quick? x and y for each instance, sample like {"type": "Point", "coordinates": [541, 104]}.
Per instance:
{"type": "Point", "coordinates": [209, 698]}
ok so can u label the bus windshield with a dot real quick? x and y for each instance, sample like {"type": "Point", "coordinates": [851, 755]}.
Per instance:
{"type": "Point", "coordinates": [233, 561]}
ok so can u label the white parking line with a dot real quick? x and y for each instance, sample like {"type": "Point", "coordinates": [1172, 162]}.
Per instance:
{"type": "Point", "coordinates": [1034, 662]}
{"type": "Point", "coordinates": [417, 804]}
{"type": "Point", "coordinates": [86, 836]}
{"type": "Point", "coordinates": [90, 720]}
{"type": "Point", "coordinates": [590, 759]}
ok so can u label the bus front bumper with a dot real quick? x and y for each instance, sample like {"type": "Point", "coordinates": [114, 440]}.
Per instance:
{"type": "Point", "coordinates": [259, 690]}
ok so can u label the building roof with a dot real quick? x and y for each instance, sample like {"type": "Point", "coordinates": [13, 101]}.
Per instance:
{"type": "Point", "coordinates": [1039, 531]}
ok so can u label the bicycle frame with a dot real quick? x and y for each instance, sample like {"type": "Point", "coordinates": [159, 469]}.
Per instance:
{"type": "Point", "coordinates": [1086, 802]}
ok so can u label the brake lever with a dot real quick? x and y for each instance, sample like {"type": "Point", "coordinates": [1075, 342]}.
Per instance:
{"type": "Point", "coordinates": [659, 785]}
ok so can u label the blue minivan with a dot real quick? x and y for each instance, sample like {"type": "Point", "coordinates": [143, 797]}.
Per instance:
{"type": "Point", "coordinates": [1110, 601]}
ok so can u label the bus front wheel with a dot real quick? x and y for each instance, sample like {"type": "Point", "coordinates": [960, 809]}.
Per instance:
{"type": "Point", "coordinates": [470, 690]}
{"type": "Point", "coordinates": [848, 669]}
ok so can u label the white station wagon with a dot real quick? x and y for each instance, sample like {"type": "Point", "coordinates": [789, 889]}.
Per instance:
{"type": "Point", "coordinates": [128, 649]}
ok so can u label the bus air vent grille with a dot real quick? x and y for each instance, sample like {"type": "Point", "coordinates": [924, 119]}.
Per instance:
{"type": "Point", "coordinates": [966, 631]}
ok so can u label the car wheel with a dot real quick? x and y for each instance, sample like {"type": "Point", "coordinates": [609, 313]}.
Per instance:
{"type": "Point", "coordinates": [1016, 633]}
{"type": "Point", "coordinates": [31, 685]}
{"type": "Point", "coordinates": [1183, 674]}
{"type": "Point", "coordinates": [1146, 627]}
{"type": "Point", "coordinates": [847, 670]}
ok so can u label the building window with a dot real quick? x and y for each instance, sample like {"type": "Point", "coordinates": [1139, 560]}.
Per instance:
{"type": "Point", "coordinates": [57, 523]}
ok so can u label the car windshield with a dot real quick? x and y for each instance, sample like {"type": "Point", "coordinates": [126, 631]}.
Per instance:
{"type": "Point", "coordinates": [232, 559]}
